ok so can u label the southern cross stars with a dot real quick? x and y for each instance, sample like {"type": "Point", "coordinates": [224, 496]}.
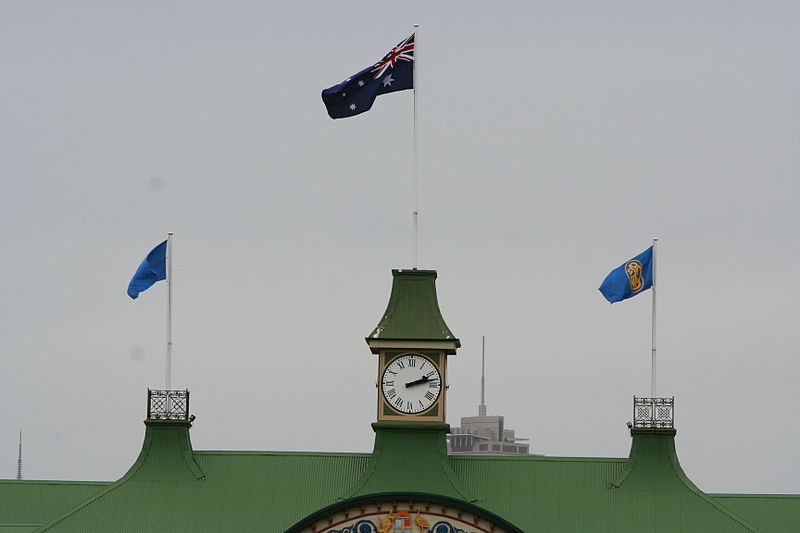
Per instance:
{"type": "Point", "coordinates": [357, 93]}
{"type": "Point", "coordinates": [360, 84]}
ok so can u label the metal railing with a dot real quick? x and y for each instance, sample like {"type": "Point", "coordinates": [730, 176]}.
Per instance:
{"type": "Point", "coordinates": [654, 412]}
{"type": "Point", "coordinates": [167, 404]}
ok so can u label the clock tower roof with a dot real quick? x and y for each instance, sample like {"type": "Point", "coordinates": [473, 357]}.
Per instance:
{"type": "Point", "coordinates": [412, 315]}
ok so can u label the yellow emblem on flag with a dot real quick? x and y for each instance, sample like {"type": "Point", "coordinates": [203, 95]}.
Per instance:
{"type": "Point", "coordinates": [634, 269]}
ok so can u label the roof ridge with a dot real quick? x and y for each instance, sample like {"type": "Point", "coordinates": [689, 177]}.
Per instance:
{"type": "Point", "coordinates": [51, 482]}
{"type": "Point", "coordinates": [281, 453]}
{"type": "Point", "coordinates": [694, 489]}
{"type": "Point", "coordinates": [431, 440]}
{"type": "Point", "coordinates": [772, 496]}
{"type": "Point", "coordinates": [656, 444]}
{"type": "Point", "coordinates": [452, 477]}
{"type": "Point", "coordinates": [131, 473]}
{"type": "Point", "coordinates": [538, 458]}
{"type": "Point", "coordinates": [137, 465]}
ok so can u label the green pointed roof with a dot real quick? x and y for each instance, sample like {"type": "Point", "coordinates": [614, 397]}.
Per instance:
{"type": "Point", "coordinates": [412, 313]}
{"type": "Point", "coordinates": [653, 469]}
{"type": "Point", "coordinates": [410, 457]}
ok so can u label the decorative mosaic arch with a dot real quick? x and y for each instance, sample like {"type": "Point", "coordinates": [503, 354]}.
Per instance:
{"type": "Point", "coordinates": [392, 513]}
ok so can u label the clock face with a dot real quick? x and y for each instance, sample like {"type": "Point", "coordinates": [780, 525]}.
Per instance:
{"type": "Point", "coordinates": [411, 383]}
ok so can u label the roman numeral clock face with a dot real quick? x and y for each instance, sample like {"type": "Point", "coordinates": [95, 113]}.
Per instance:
{"type": "Point", "coordinates": [411, 383]}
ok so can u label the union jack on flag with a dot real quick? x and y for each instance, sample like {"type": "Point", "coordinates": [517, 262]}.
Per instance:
{"type": "Point", "coordinates": [356, 94]}
{"type": "Point", "coordinates": [402, 52]}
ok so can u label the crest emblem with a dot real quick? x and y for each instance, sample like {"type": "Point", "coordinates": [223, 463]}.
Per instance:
{"type": "Point", "coordinates": [634, 270]}
{"type": "Point", "coordinates": [401, 522]}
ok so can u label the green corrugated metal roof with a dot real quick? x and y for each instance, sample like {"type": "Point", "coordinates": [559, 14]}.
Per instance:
{"type": "Point", "coordinates": [15, 528]}
{"type": "Point", "coordinates": [648, 493]}
{"type": "Point", "coordinates": [28, 502]}
{"type": "Point", "coordinates": [778, 513]}
{"type": "Point", "coordinates": [413, 310]}
{"type": "Point", "coordinates": [410, 457]}
{"type": "Point", "coordinates": [539, 493]}
{"type": "Point", "coordinates": [656, 485]}
{"type": "Point", "coordinates": [170, 488]}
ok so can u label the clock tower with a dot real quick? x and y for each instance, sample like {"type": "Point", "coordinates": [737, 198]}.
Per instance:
{"type": "Point", "coordinates": [412, 342]}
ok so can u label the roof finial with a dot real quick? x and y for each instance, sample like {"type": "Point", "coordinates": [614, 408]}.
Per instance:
{"type": "Point", "coordinates": [482, 406]}
{"type": "Point", "coordinates": [19, 459]}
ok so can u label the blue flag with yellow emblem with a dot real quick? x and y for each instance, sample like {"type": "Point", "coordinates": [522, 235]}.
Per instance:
{"type": "Point", "coordinates": [630, 278]}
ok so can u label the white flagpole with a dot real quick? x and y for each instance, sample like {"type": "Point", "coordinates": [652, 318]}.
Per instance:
{"type": "Point", "coordinates": [19, 459]}
{"type": "Point", "coordinates": [415, 212]}
{"type": "Point", "coordinates": [169, 312]}
{"type": "Point", "coordinates": [653, 323]}
{"type": "Point", "coordinates": [482, 406]}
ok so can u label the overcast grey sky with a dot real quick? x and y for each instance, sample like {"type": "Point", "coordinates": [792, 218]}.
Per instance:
{"type": "Point", "coordinates": [555, 140]}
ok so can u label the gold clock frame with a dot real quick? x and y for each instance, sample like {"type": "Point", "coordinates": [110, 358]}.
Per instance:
{"type": "Point", "coordinates": [434, 413]}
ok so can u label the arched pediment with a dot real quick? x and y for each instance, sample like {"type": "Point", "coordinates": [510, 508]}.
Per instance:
{"type": "Point", "coordinates": [403, 513]}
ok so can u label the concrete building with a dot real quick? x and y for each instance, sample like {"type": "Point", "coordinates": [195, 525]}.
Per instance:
{"type": "Point", "coordinates": [485, 435]}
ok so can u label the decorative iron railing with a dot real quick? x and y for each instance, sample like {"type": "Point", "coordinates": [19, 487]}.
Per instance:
{"type": "Point", "coordinates": [654, 412]}
{"type": "Point", "coordinates": [167, 404]}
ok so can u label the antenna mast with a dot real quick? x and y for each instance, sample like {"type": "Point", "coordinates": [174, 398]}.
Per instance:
{"type": "Point", "coordinates": [482, 406]}
{"type": "Point", "coordinates": [19, 460]}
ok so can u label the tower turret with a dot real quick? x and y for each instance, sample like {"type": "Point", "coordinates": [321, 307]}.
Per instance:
{"type": "Point", "coordinates": [412, 342]}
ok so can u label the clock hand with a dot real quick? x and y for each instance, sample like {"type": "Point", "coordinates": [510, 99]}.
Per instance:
{"type": "Point", "coordinates": [423, 379]}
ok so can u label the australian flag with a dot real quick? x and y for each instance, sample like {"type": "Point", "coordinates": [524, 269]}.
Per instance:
{"type": "Point", "coordinates": [395, 72]}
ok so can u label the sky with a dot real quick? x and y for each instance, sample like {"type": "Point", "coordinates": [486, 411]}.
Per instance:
{"type": "Point", "coordinates": [556, 139]}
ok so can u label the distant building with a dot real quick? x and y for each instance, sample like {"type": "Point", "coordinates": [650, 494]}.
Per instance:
{"type": "Point", "coordinates": [482, 434]}
{"type": "Point", "coordinates": [485, 435]}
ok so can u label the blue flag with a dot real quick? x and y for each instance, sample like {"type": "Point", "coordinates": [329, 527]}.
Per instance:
{"type": "Point", "coordinates": [630, 278]}
{"type": "Point", "coordinates": [152, 269]}
{"type": "Point", "coordinates": [355, 95]}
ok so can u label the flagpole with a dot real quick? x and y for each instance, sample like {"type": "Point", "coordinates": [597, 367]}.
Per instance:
{"type": "Point", "coordinates": [169, 312]}
{"type": "Point", "coordinates": [482, 406]}
{"type": "Point", "coordinates": [653, 324]}
{"type": "Point", "coordinates": [415, 212]}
